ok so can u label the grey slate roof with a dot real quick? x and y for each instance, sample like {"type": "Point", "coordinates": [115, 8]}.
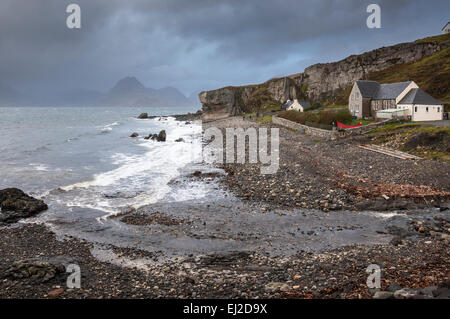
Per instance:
{"type": "Point", "coordinates": [368, 88]}
{"type": "Point", "coordinates": [419, 96]}
{"type": "Point", "coordinates": [377, 91]}
{"type": "Point", "coordinates": [445, 26]}
{"type": "Point", "coordinates": [286, 105]}
{"type": "Point", "coordinates": [390, 91]}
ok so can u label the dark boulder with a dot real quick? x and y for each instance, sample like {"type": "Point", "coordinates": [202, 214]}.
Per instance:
{"type": "Point", "coordinates": [134, 135]}
{"type": "Point", "coordinates": [179, 139]}
{"type": "Point", "coordinates": [16, 205]}
{"type": "Point", "coordinates": [143, 116]}
{"type": "Point", "coordinates": [162, 136]}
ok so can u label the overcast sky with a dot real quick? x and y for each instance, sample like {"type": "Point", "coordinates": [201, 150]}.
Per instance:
{"type": "Point", "coordinates": [194, 44]}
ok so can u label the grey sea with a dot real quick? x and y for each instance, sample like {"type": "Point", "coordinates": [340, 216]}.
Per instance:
{"type": "Point", "coordinates": [84, 157]}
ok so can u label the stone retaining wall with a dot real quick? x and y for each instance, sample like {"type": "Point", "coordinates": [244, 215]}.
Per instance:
{"type": "Point", "coordinates": [312, 131]}
{"type": "Point", "coordinates": [329, 135]}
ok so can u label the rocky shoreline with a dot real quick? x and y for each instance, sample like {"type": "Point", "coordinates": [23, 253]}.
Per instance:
{"type": "Point", "coordinates": [336, 175]}
{"type": "Point", "coordinates": [419, 266]}
{"type": "Point", "coordinates": [299, 233]}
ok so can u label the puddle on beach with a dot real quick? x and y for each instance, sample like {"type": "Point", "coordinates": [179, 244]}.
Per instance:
{"type": "Point", "coordinates": [216, 223]}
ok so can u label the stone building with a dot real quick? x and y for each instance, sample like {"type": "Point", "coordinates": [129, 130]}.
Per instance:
{"type": "Point", "coordinates": [369, 97]}
{"type": "Point", "coordinates": [295, 105]}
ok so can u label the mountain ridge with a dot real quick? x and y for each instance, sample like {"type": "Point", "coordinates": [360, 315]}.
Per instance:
{"type": "Point", "coordinates": [128, 91]}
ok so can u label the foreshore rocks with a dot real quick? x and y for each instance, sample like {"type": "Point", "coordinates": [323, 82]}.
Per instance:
{"type": "Point", "coordinates": [337, 175]}
{"type": "Point", "coordinates": [430, 292]}
{"type": "Point", "coordinates": [134, 135]}
{"type": "Point", "coordinates": [37, 270]}
{"type": "Point", "coordinates": [161, 137]}
{"type": "Point", "coordinates": [143, 116]}
{"type": "Point", "coordinates": [15, 205]}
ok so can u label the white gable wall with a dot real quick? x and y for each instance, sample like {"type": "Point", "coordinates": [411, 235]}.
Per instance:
{"type": "Point", "coordinates": [295, 106]}
{"type": "Point", "coordinates": [446, 29]}
{"type": "Point", "coordinates": [412, 85]}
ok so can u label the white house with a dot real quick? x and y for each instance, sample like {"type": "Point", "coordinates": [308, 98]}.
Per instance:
{"type": "Point", "coordinates": [371, 99]}
{"type": "Point", "coordinates": [296, 105]}
{"type": "Point", "coordinates": [421, 106]}
{"type": "Point", "coordinates": [446, 29]}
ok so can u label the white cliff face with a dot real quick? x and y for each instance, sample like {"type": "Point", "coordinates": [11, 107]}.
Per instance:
{"type": "Point", "coordinates": [321, 81]}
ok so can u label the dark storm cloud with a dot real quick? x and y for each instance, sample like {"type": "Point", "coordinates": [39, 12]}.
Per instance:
{"type": "Point", "coordinates": [193, 44]}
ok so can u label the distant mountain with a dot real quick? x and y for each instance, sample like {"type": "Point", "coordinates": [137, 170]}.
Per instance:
{"type": "Point", "coordinates": [130, 92]}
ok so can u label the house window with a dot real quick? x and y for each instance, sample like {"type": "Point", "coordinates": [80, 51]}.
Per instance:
{"type": "Point", "coordinates": [427, 109]}
{"type": "Point", "coordinates": [415, 109]}
{"type": "Point", "coordinates": [439, 109]}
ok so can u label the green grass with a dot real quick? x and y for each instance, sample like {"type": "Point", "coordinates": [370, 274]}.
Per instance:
{"type": "Point", "coordinates": [438, 38]}
{"type": "Point", "coordinates": [336, 106]}
{"type": "Point", "coordinates": [324, 117]}
{"type": "Point", "coordinates": [266, 119]}
{"type": "Point", "coordinates": [364, 122]}
{"type": "Point", "coordinates": [391, 127]}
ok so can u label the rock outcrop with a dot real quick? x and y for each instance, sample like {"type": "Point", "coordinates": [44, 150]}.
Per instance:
{"type": "Point", "coordinates": [15, 205]}
{"type": "Point", "coordinates": [325, 80]}
{"type": "Point", "coordinates": [230, 101]}
{"type": "Point", "coordinates": [320, 81]}
{"type": "Point", "coordinates": [161, 137]}
{"type": "Point", "coordinates": [38, 270]}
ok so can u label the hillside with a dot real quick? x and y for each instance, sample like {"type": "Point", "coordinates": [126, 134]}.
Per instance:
{"type": "Point", "coordinates": [431, 73]}
{"type": "Point", "coordinates": [426, 61]}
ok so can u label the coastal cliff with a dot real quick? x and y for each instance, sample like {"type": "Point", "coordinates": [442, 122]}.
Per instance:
{"type": "Point", "coordinates": [320, 82]}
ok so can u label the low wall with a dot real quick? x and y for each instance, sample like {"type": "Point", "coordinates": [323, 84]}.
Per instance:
{"type": "Point", "coordinates": [329, 135]}
{"type": "Point", "coordinates": [312, 131]}
{"type": "Point", "coordinates": [365, 128]}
